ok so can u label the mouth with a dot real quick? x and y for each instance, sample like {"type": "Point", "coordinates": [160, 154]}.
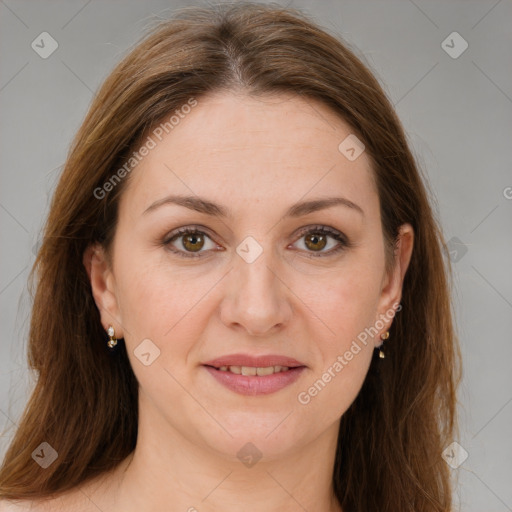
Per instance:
{"type": "Point", "coordinates": [248, 375]}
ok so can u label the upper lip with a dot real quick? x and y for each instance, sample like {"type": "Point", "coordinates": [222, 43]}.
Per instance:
{"type": "Point", "coordinates": [254, 361]}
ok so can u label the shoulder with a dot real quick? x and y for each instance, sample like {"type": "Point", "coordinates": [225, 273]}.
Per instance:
{"type": "Point", "coordinates": [11, 506]}
{"type": "Point", "coordinates": [76, 499]}
{"type": "Point", "coordinates": [59, 504]}
{"type": "Point", "coordinates": [15, 506]}
{"type": "Point", "coordinates": [25, 505]}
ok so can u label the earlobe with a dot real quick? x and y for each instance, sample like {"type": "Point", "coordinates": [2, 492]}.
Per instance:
{"type": "Point", "coordinates": [103, 286]}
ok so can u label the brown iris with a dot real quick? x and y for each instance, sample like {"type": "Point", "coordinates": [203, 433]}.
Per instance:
{"type": "Point", "coordinates": [193, 242]}
{"type": "Point", "coordinates": [315, 238]}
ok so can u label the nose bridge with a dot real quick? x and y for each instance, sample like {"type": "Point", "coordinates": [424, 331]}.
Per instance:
{"type": "Point", "coordinates": [258, 298]}
{"type": "Point", "coordinates": [257, 278]}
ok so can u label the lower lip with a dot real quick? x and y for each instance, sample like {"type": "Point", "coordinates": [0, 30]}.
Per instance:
{"type": "Point", "coordinates": [254, 385]}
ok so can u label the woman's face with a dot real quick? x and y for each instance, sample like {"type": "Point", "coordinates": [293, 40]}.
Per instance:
{"type": "Point", "coordinates": [258, 277]}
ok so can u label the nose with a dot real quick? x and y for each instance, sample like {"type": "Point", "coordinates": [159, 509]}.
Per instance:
{"type": "Point", "coordinates": [257, 298]}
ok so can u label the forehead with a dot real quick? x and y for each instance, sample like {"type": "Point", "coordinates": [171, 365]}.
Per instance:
{"type": "Point", "coordinates": [242, 150]}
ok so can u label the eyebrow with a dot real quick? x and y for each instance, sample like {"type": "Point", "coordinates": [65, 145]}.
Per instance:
{"type": "Point", "coordinates": [202, 205]}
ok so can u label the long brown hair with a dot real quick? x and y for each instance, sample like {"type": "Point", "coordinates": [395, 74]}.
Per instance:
{"type": "Point", "coordinates": [85, 401]}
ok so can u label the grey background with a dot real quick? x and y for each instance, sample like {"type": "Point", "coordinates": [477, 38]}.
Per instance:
{"type": "Point", "coordinates": [458, 115]}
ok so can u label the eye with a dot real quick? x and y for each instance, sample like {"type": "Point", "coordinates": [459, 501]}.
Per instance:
{"type": "Point", "coordinates": [193, 240]}
{"type": "Point", "coordinates": [191, 243]}
{"type": "Point", "coordinates": [316, 239]}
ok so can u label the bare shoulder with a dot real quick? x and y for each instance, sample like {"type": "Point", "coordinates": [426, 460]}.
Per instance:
{"type": "Point", "coordinates": [15, 506]}
{"type": "Point", "coordinates": [89, 496]}
{"type": "Point", "coordinates": [26, 505]}
{"type": "Point", "coordinates": [71, 502]}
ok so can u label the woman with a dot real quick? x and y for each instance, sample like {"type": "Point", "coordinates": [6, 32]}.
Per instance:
{"type": "Point", "coordinates": [242, 301]}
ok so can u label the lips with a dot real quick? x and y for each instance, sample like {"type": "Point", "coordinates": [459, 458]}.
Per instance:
{"type": "Point", "coordinates": [254, 375]}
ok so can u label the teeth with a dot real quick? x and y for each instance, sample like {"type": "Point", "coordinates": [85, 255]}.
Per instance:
{"type": "Point", "coordinates": [265, 371]}
{"type": "Point", "coordinates": [251, 370]}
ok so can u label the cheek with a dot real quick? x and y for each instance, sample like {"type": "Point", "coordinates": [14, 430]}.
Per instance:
{"type": "Point", "coordinates": [328, 395]}
{"type": "Point", "coordinates": [345, 307]}
{"type": "Point", "coordinates": [160, 302]}
{"type": "Point", "coordinates": [160, 306]}
{"type": "Point", "coordinates": [344, 301]}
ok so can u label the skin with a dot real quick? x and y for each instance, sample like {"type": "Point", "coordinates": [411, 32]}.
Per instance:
{"type": "Point", "coordinates": [257, 157]}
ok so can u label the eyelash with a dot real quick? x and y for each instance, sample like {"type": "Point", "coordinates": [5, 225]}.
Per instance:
{"type": "Point", "coordinates": [324, 230]}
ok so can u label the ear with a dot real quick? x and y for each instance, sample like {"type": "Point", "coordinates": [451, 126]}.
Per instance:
{"type": "Point", "coordinates": [102, 281]}
{"type": "Point", "coordinates": [391, 292]}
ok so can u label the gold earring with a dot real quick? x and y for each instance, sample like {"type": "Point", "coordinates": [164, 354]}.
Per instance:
{"type": "Point", "coordinates": [383, 337]}
{"type": "Point", "coordinates": [112, 342]}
